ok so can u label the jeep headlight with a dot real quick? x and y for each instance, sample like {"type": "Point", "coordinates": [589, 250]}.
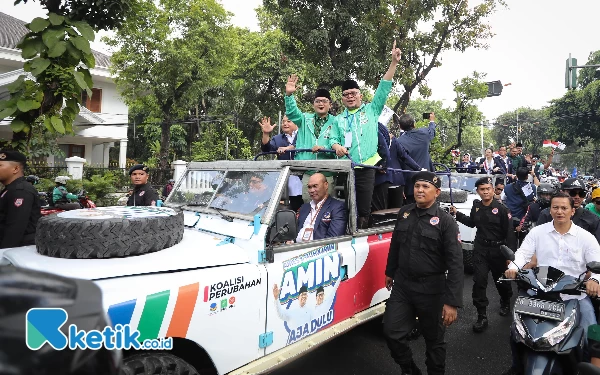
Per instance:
{"type": "Point", "coordinates": [558, 333]}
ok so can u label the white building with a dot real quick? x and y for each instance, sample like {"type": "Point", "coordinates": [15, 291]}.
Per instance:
{"type": "Point", "coordinates": [102, 121]}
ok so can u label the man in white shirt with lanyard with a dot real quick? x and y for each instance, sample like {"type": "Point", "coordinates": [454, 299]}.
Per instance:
{"type": "Point", "coordinates": [324, 216]}
{"type": "Point", "coordinates": [563, 245]}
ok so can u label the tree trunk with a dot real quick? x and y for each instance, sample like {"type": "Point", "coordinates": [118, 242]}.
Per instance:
{"type": "Point", "coordinates": [458, 137]}
{"type": "Point", "coordinates": [165, 141]}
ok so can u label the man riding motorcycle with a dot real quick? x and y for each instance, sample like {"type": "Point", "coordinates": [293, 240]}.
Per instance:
{"type": "Point", "coordinates": [565, 246]}
{"type": "Point", "coordinates": [61, 197]}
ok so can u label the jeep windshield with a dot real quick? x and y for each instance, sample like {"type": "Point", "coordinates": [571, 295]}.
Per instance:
{"type": "Point", "coordinates": [465, 181]}
{"type": "Point", "coordinates": [241, 192]}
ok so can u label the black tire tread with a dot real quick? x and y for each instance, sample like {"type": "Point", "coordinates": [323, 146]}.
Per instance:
{"type": "Point", "coordinates": [156, 364]}
{"type": "Point", "coordinates": [100, 239]}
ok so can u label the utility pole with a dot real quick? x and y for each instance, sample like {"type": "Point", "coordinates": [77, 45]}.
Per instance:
{"type": "Point", "coordinates": [517, 125]}
{"type": "Point", "coordinates": [226, 148]}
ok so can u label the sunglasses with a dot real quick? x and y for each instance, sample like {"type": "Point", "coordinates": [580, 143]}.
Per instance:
{"type": "Point", "coordinates": [574, 193]}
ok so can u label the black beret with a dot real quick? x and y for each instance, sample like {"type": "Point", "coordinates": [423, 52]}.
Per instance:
{"type": "Point", "coordinates": [139, 167]}
{"type": "Point", "coordinates": [350, 84]}
{"type": "Point", "coordinates": [483, 181]}
{"type": "Point", "coordinates": [427, 176]}
{"type": "Point", "coordinates": [303, 289]}
{"type": "Point", "coordinates": [12, 156]}
{"type": "Point", "coordinates": [322, 93]}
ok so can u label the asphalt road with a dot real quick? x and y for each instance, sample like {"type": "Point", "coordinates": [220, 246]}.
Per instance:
{"type": "Point", "coordinates": [363, 351]}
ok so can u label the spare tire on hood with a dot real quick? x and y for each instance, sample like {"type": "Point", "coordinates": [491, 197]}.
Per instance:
{"type": "Point", "coordinates": [458, 196]}
{"type": "Point", "coordinates": [108, 232]}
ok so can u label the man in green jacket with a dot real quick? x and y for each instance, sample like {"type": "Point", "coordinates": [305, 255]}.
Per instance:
{"type": "Point", "coordinates": [355, 134]}
{"type": "Point", "coordinates": [314, 130]}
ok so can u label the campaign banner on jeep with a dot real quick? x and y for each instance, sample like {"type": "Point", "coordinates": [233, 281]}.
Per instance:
{"type": "Point", "coordinates": [305, 298]}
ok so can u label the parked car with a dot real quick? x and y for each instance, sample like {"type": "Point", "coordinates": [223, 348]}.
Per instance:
{"type": "Point", "coordinates": [464, 193]}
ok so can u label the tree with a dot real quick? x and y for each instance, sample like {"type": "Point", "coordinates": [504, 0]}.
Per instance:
{"type": "Point", "coordinates": [220, 142]}
{"type": "Point", "coordinates": [468, 91]}
{"type": "Point", "coordinates": [352, 38]}
{"type": "Point", "coordinates": [58, 57]}
{"type": "Point", "coordinates": [534, 128]}
{"type": "Point", "coordinates": [576, 116]}
{"type": "Point", "coordinates": [588, 75]}
{"type": "Point", "coordinates": [170, 53]}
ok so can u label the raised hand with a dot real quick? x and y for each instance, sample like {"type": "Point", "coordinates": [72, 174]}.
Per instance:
{"type": "Point", "coordinates": [265, 125]}
{"type": "Point", "coordinates": [396, 53]}
{"type": "Point", "coordinates": [290, 86]}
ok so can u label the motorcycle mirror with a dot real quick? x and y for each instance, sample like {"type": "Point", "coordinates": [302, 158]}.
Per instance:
{"type": "Point", "coordinates": [594, 267]}
{"type": "Point", "coordinates": [507, 253]}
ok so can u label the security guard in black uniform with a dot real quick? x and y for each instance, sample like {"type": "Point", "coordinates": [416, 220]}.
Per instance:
{"type": "Point", "coordinates": [424, 246]}
{"type": "Point", "coordinates": [19, 202]}
{"type": "Point", "coordinates": [143, 193]}
{"type": "Point", "coordinates": [583, 218]}
{"type": "Point", "coordinates": [494, 228]}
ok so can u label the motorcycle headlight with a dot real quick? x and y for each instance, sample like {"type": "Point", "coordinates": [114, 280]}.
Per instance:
{"type": "Point", "coordinates": [558, 333]}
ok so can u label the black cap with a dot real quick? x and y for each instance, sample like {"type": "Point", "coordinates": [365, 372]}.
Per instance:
{"type": "Point", "coordinates": [572, 184]}
{"type": "Point", "coordinates": [322, 93]}
{"type": "Point", "coordinates": [427, 176]}
{"type": "Point", "coordinates": [12, 156]}
{"type": "Point", "coordinates": [139, 167]}
{"type": "Point", "coordinates": [350, 84]}
{"type": "Point", "coordinates": [483, 181]}
{"type": "Point", "coordinates": [519, 145]}
{"type": "Point", "coordinates": [303, 289]}
{"type": "Point", "coordinates": [320, 290]}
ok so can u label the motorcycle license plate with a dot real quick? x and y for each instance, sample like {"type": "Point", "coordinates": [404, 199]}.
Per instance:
{"type": "Point", "coordinates": [543, 309]}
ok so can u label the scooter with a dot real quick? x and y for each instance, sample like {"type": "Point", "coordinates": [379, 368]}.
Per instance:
{"type": "Point", "coordinates": [546, 327]}
{"type": "Point", "coordinates": [83, 199]}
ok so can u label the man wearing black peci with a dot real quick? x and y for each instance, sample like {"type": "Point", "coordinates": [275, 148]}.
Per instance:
{"type": "Point", "coordinates": [424, 247]}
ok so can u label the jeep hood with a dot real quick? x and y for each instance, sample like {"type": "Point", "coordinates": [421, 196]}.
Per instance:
{"type": "Point", "coordinates": [196, 250]}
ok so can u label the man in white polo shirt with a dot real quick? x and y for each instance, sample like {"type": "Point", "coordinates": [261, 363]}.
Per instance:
{"type": "Point", "coordinates": [563, 245]}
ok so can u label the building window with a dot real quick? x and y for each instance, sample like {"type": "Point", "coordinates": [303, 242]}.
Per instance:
{"type": "Point", "coordinates": [76, 150]}
{"type": "Point", "coordinates": [94, 103]}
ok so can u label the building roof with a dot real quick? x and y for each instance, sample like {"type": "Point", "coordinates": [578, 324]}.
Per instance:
{"type": "Point", "coordinates": [12, 31]}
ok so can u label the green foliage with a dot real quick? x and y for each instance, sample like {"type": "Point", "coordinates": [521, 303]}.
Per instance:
{"type": "Point", "coordinates": [571, 115]}
{"type": "Point", "coordinates": [59, 78]}
{"type": "Point", "coordinates": [534, 128]}
{"type": "Point", "coordinates": [173, 52]}
{"type": "Point", "coordinates": [353, 38]}
{"type": "Point", "coordinates": [99, 187]}
{"type": "Point", "coordinates": [588, 75]}
{"type": "Point", "coordinates": [98, 14]}
{"type": "Point", "coordinates": [212, 145]}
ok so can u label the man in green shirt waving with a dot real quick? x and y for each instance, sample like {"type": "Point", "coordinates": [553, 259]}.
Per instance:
{"type": "Point", "coordinates": [355, 134]}
{"type": "Point", "coordinates": [314, 129]}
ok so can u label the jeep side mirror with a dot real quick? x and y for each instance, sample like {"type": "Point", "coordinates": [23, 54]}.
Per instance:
{"type": "Point", "coordinates": [284, 228]}
{"type": "Point", "coordinates": [594, 267]}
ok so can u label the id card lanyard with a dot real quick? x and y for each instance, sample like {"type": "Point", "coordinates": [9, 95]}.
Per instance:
{"type": "Point", "coordinates": [307, 234]}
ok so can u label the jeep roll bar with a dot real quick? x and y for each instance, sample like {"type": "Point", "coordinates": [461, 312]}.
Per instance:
{"type": "Point", "coordinates": [444, 172]}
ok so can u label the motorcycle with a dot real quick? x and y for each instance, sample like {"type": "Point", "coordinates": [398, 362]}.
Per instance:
{"type": "Point", "coordinates": [82, 198]}
{"type": "Point", "coordinates": [546, 327]}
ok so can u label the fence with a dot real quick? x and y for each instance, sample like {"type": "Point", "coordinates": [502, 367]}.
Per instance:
{"type": "Point", "coordinates": [44, 171]}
